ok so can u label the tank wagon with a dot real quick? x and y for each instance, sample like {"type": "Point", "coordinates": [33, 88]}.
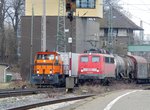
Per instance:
{"type": "Point", "coordinates": [120, 67]}
{"type": "Point", "coordinates": [132, 67]}
{"type": "Point", "coordinates": [124, 67]}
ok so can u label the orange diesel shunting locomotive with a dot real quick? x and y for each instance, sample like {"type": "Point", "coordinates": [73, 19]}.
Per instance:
{"type": "Point", "coordinates": [48, 68]}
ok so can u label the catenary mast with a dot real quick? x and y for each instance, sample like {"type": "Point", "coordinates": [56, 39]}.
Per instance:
{"type": "Point", "coordinates": [43, 35]}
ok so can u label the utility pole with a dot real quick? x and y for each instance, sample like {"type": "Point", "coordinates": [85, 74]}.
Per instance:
{"type": "Point", "coordinates": [31, 41]}
{"type": "Point", "coordinates": [70, 9]}
{"type": "Point", "coordinates": [110, 36]}
{"type": "Point", "coordinates": [43, 36]}
{"type": "Point", "coordinates": [141, 32]}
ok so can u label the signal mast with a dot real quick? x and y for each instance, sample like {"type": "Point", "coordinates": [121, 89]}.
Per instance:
{"type": "Point", "coordinates": [70, 6]}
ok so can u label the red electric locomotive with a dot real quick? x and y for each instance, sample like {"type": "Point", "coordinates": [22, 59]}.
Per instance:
{"type": "Point", "coordinates": [96, 67]}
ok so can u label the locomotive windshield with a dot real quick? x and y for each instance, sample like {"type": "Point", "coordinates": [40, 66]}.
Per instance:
{"type": "Point", "coordinates": [45, 57]}
{"type": "Point", "coordinates": [95, 59]}
{"type": "Point", "coordinates": [84, 59]}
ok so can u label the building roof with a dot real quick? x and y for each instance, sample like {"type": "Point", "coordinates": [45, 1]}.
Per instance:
{"type": "Point", "coordinates": [119, 20]}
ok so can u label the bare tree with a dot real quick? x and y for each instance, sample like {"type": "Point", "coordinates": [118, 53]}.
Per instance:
{"type": "Point", "coordinates": [15, 12]}
{"type": "Point", "coordinates": [115, 4]}
{"type": "Point", "coordinates": [10, 11]}
{"type": "Point", "coordinates": [10, 44]}
{"type": "Point", "coordinates": [3, 10]}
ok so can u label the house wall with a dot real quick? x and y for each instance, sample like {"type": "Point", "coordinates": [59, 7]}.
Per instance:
{"type": "Point", "coordinates": [120, 41]}
{"type": "Point", "coordinates": [52, 9]}
{"type": "Point", "coordinates": [87, 30]}
{"type": "Point", "coordinates": [2, 67]}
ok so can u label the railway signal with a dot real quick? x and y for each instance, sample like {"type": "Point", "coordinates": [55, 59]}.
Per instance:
{"type": "Point", "coordinates": [70, 8]}
{"type": "Point", "coordinates": [70, 16]}
{"type": "Point", "coordinates": [70, 5]}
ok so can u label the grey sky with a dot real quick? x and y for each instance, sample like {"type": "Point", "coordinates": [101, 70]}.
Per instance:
{"type": "Point", "coordinates": [140, 10]}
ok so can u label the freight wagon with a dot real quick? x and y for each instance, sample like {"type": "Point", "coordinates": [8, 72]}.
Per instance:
{"type": "Point", "coordinates": [132, 67]}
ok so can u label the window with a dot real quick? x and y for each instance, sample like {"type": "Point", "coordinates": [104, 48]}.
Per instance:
{"type": "Point", "coordinates": [85, 3]}
{"type": "Point", "coordinates": [50, 57]}
{"type": "Point", "coordinates": [106, 59]}
{"type": "Point", "coordinates": [57, 60]}
{"type": "Point", "coordinates": [41, 56]}
{"type": "Point", "coordinates": [105, 32]}
{"type": "Point", "coordinates": [45, 56]}
{"type": "Point", "coordinates": [95, 59]}
{"type": "Point", "coordinates": [109, 60]}
{"type": "Point", "coordinates": [84, 59]}
{"type": "Point", "coordinates": [115, 32]}
{"type": "Point", "coordinates": [112, 60]}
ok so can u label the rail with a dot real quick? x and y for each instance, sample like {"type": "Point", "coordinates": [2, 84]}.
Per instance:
{"type": "Point", "coordinates": [11, 93]}
{"type": "Point", "coordinates": [49, 102]}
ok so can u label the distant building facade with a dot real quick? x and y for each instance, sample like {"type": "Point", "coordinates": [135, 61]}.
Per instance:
{"type": "Point", "coordinates": [117, 31]}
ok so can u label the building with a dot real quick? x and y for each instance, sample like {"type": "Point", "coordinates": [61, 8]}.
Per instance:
{"type": "Point", "coordinates": [84, 29]}
{"type": "Point", "coordinates": [117, 31]}
{"type": "Point", "coordinates": [3, 73]}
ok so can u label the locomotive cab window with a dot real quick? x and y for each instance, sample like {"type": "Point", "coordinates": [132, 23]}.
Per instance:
{"type": "Point", "coordinates": [112, 60]}
{"type": "Point", "coordinates": [95, 58]}
{"type": "Point", "coordinates": [45, 57]}
{"type": "Point", "coordinates": [50, 57]}
{"type": "Point", "coordinates": [106, 59]}
{"type": "Point", "coordinates": [84, 59]}
{"type": "Point", "coordinates": [40, 56]}
{"type": "Point", "coordinates": [57, 61]}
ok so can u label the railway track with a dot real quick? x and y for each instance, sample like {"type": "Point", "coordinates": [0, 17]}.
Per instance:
{"type": "Point", "coordinates": [50, 102]}
{"type": "Point", "coordinates": [18, 92]}
{"type": "Point", "coordinates": [145, 86]}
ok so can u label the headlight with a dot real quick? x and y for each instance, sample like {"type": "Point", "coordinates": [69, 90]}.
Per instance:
{"type": "Point", "coordinates": [97, 70]}
{"type": "Point", "coordinates": [50, 71]}
{"type": "Point", "coordinates": [37, 71]}
{"type": "Point", "coordinates": [81, 70]}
